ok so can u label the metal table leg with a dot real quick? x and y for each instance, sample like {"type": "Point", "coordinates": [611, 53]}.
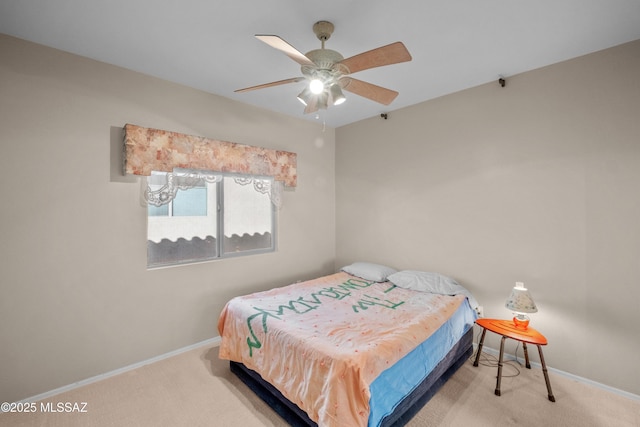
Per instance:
{"type": "Point", "coordinates": [497, 392]}
{"type": "Point", "coordinates": [526, 355]}
{"type": "Point", "coordinates": [546, 375]}
{"type": "Point", "coordinates": [475, 363]}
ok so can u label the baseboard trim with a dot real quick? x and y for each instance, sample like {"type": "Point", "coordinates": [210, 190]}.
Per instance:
{"type": "Point", "coordinates": [508, 356]}
{"type": "Point", "coordinates": [210, 342]}
{"type": "Point", "coordinates": [215, 341]}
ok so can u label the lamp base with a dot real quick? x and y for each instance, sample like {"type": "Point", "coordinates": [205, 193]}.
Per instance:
{"type": "Point", "coordinates": [521, 321]}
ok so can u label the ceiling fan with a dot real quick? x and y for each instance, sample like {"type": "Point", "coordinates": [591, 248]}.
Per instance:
{"type": "Point", "coordinates": [328, 72]}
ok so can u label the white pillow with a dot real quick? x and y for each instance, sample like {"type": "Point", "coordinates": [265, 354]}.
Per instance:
{"type": "Point", "coordinates": [430, 282]}
{"type": "Point", "coordinates": [369, 271]}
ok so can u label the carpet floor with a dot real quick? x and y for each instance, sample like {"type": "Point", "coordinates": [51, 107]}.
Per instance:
{"type": "Point", "coordinates": [195, 388]}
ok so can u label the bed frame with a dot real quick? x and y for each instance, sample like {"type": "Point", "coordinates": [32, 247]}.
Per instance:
{"type": "Point", "coordinates": [409, 406]}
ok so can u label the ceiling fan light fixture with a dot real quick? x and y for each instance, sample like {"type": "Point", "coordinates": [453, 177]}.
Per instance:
{"type": "Point", "coordinates": [316, 86]}
{"type": "Point", "coordinates": [323, 99]}
{"type": "Point", "coordinates": [336, 94]}
{"type": "Point", "coordinates": [305, 96]}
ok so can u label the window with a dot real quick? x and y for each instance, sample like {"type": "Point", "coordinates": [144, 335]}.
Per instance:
{"type": "Point", "coordinates": [190, 210]}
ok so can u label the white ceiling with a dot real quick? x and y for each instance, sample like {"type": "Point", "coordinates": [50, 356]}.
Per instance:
{"type": "Point", "coordinates": [210, 44]}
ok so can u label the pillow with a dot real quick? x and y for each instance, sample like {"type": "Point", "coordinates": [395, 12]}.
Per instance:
{"type": "Point", "coordinates": [369, 271]}
{"type": "Point", "coordinates": [430, 282]}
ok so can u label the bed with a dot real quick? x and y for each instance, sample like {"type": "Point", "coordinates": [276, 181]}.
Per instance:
{"type": "Point", "coordinates": [367, 346]}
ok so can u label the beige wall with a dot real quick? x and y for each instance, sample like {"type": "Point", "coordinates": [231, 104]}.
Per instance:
{"type": "Point", "coordinates": [76, 299]}
{"type": "Point", "coordinates": [538, 181]}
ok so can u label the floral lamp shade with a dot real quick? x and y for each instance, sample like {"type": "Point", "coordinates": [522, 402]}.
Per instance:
{"type": "Point", "coordinates": [520, 302]}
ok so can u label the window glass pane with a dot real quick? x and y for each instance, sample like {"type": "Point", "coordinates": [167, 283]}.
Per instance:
{"type": "Point", "coordinates": [191, 202]}
{"type": "Point", "coordinates": [158, 210]}
{"type": "Point", "coordinates": [188, 232]}
{"type": "Point", "coordinates": [248, 216]}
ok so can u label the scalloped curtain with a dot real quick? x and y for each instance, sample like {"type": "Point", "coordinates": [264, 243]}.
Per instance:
{"type": "Point", "coordinates": [148, 150]}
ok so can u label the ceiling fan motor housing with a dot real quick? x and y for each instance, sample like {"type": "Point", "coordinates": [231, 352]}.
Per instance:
{"type": "Point", "coordinates": [327, 67]}
{"type": "Point", "coordinates": [325, 59]}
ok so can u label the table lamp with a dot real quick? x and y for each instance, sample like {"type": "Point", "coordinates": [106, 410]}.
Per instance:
{"type": "Point", "coordinates": [521, 302]}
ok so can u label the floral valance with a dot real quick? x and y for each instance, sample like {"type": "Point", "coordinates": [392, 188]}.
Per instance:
{"type": "Point", "coordinates": [149, 150]}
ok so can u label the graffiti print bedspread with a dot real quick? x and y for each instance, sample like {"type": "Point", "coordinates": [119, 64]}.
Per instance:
{"type": "Point", "coordinates": [322, 342]}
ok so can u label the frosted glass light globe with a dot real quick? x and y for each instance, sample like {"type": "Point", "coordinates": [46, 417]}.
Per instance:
{"type": "Point", "coordinates": [316, 86]}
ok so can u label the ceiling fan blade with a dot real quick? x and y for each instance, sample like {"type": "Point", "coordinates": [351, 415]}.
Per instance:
{"type": "Point", "coordinates": [278, 83]}
{"type": "Point", "coordinates": [368, 90]}
{"type": "Point", "coordinates": [385, 55]}
{"type": "Point", "coordinates": [278, 43]}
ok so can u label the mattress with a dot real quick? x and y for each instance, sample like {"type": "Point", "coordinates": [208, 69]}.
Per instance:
{"type": "Point", "coordinates": [332, 344]}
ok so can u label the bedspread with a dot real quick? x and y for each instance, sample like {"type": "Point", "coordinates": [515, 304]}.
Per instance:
{"type": "Point", "coordinates": [322, 342]}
